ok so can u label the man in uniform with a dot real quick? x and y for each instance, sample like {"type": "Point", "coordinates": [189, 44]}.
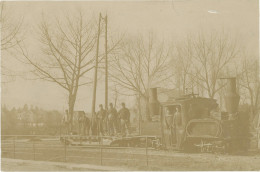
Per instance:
{"type": "Point", "coordinates": [169, 125]}
{"type": "Point", "coordinates": [101, 116]}
{"type": "Point", "coordinates": [178, 125]}
{"type": "Point", "coordinates": [87, 125]}
{"type": "Point", "coordinates": [81, 120]}
{"type": "Point", "coordinates": [66, 122]}
{"type": "Point", "coordinates": [112, 119]}
{"type": "Point", "coordinates": [124, 115]}
{"type": "Point", "coordinates": [94, 124]}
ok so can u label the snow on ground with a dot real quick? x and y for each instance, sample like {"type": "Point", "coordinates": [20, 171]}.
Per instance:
{"type": "Point", "coordinates": [28, 165]}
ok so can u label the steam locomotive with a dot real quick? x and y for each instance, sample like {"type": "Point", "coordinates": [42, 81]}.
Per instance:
{"type": "Point", "coordinates": [187, 123]}
{"type": "Point", "coordinates": [192, 123]}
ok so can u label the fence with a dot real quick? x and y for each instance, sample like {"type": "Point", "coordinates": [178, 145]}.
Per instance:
{"type": "Point", "coordinates": [50, 148]}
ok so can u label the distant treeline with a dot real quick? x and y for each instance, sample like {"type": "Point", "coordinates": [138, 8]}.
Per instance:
{"type": "Point", "coordinates": [31, 120]}
{"type": "Point", "coordinates": [34, 120]}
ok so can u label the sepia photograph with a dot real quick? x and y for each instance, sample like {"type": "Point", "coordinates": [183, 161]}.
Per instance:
{"type": "Point", "coordinates": [128, 85]}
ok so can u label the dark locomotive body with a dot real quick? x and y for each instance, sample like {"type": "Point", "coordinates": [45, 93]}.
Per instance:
{"type": "Point", "coordinates": [202, 126]}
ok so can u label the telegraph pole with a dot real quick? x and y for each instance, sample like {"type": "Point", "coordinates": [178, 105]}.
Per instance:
{"type": "Point", "coordinates": [96, 68]}
{"type": "Point", "coordinates": [106, 67]}
{"type": "Point", "coordinates": [139, 96]}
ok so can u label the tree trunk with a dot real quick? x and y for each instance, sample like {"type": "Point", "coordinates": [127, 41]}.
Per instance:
{"type": "Point", "coordinates": [184, 86]}
{"type": "Point", "coordinates": [72, 99]}
{"type": "Point", "coordinates": [147, 109]}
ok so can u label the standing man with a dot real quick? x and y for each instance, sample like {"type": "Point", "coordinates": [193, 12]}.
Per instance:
{"type": "Point", "coordinates": [178, 125]}
{"type": "Point", "coordinates": [94, 124]}
{"type": "Point", "coordinates": [66, 122]}
{"type": "Point", "coordinates": [169, 121]}
{"type": "Point", "coordinates": [86, 125]}
{"type": "Point", "coordinates": [124, 119]}
{"type": "Point", "coordinates": [101, 116]}
{"type": "Point", "coordinates": [112, 119]}
{"type": "Point", "coordinates": [81, 120]}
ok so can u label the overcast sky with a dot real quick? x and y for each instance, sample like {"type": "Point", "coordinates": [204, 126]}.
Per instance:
{"type": "Point", "coordinates": [170, 20]}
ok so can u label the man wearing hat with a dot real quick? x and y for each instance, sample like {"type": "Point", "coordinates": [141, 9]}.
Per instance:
{"type": "Point", "coordinates": [124, 115]}
{"type": "Point", "coordinates": [112, 119]}
{"type": "Point", "coordinates": [66, 122]}
{"type": "Point", "coordinates": [101, 116]}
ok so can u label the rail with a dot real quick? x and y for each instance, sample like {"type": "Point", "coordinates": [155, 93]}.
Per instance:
{"type": "Point", "coordinates": [50, 148]}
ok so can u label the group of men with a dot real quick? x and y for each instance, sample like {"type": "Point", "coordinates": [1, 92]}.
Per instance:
{"type": "Point", "coordinates": [104, 122]}
{"type": "Point", "coordinates": [111, 122]}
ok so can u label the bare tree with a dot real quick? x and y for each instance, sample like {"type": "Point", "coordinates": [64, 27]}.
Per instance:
{"type": "Point", "coordinates": [66, 47]}
{"type": "Point", "coordinates": [11, 35]}
{"type": "Point", "coordinates": [212, 55]}
{"type": "Point", "coordinates": [142, 63]}
{"type": "Point", "coordinates": [249, 83]}
{"type": "Point", "coordinates": [10, 29]}
{"type": "Point", "coordinates": [183, 63]}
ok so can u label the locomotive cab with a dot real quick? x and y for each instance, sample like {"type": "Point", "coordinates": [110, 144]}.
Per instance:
{"type": "Point", "coordinates": [177, 114]}
{"type": "Point", "coordinates": [191, 122]}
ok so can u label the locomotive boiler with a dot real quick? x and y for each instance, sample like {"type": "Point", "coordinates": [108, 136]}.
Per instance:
{"type": "Point", "coordinates": [193, 123]}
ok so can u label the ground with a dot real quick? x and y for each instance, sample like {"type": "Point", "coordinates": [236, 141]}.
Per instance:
{"type": "Point", "coordinates": [178, 162]}
{"type": "Point", "coordinates": [47, 152]}
{"type": "Point", "coordinates": [29, 165]}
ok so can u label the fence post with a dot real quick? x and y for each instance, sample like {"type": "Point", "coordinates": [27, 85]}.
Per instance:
{"type": "Point", "coordinates": [80, 141]}
{"type": "Point", "coordinates": [146, 151]}
{"type": "Point", "coordinates": [101, 151]}
{"type": "Point", "coordinates": [33, 150]}
{"type": "Point", "coordinates": [101, 154]}
{"type": "Point", "coordinates": [65, 149]}
{"type": "Point", "coordinates": [14, 145]}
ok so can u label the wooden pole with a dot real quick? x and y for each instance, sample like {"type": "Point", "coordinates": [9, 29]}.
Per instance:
{"type": "Point", "coordinates": [106, 76]}
{"type": "Point", "coordinates": [106, 67]}
{"type": "Point", "coordinates": [95, 73]}
{"type": "Point", "coordinates": [139, 96]}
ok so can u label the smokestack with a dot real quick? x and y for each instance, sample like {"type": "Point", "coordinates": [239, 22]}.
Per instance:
{"type": "Point", "coordinates": [231, 97]}
{"type": "Point", "coordinates": [153, 102]}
